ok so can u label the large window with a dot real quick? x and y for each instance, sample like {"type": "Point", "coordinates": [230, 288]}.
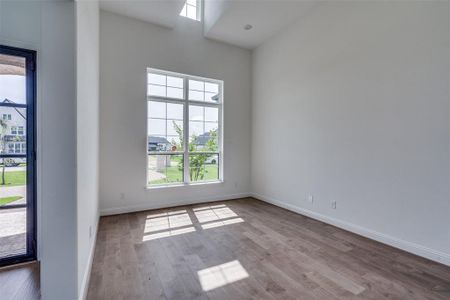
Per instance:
{"type": "Point", "coordinates": [184, 129]}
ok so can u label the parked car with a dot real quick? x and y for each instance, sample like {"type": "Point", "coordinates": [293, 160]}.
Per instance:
{"type": "Point", "coordinates": [211, 160]}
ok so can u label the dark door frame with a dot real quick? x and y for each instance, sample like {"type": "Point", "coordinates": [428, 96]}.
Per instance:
{"type": "Point", "coordinates": [30, 106]}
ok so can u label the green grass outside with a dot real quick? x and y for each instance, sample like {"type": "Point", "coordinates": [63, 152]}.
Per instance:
{"type": "Point", "coordinates": [174, 175]}
{"type": "Point", "coordinates": [13, 178]}
{"type": "Point", "coordinates": [6, 200]}
{"type": "Point", "coordinates": [176, 158]}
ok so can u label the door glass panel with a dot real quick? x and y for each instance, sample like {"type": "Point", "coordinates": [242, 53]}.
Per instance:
{"type": "Point", "coordinates": [13, 193]}
{"type": "Point", "coordinates": [13, 181]}
{"type": "Point", "coordinates": [13, 163]}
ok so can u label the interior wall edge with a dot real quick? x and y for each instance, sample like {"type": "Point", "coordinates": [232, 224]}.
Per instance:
{"type": "Point", "coordinates": [87, 275]}
{"type": "Point", "coordinates": [407, 246]}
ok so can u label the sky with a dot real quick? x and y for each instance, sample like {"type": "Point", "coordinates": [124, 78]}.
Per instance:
{"type": "Point", "coordinates": [12, 87]}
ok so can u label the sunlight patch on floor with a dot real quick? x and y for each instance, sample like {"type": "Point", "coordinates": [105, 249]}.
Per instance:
{"type": "Point", "coordinates": [221, 275]}
{"type": "Point", "coordinates": [167, 221]}
{"type": "Point", "coordinates": [176, 222]}
{"type": "Point", "coordinates": [214, 214]}
{"type": "Point", "coordinates": [222, 223]}
{"type": "Point", "coordinates": [167, 233]}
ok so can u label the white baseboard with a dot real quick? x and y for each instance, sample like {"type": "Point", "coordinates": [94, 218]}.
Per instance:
{"type": "Point", "coordinates": [87, 273]}
{"type": "Point", "coordinates": [149, 205]}
{"type": "Point", "coordinates": [414, 248]}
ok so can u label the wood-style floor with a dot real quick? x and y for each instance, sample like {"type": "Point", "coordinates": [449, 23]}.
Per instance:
{"type": "Point", "coordinates": [20, 282]}
{"type": "Point", "coordinates": [247, 249]}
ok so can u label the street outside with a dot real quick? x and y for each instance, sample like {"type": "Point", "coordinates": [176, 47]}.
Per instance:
{"type": "Point", "coordinates": [12, 232]}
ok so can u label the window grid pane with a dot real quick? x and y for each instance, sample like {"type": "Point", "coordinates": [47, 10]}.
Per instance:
{"type": "Point", "coordinates": [175, 82]}
{"type": "Point", "coordinates": [157, 79]}
{"type": "Point", "coordinates": [204, 91]}
{"type": "Point", "coordinates": [165, 127]}
{"type": "Point", "coordinates": [203, 129]}
{"type": "Point", "coordinates": [204, 167]}
{"type": "Point", "coordinates": [165, 169]}
{"type": "Point", "coordinates": [165, 86]}
{"type": "Point", "coordinates": [191, 12]}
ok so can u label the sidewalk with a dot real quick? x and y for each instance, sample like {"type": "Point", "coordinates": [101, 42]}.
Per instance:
{"type": "Point", "coordinates": [14, 191]}
{"type": "Point", "coordinates": [12, 231]}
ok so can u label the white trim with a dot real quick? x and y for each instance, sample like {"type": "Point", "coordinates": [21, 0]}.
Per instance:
{"type": "Point", "coordinates": [410, 247]}
{"type": "Point", "coordinates": [186, 128]}
{"type": "Point", "coordinates": [87, 274]}
{"type": "Point", "coordinates": [150, 205]}
{"type": "Point", "coordinates": [176, 185]}
{"type": "Point", "coordinates": [199, 10]}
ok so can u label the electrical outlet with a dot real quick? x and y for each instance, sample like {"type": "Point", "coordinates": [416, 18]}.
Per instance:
{"type": "Point", "coordinates": [311, 198]}
{"type": "Point", "coordinates": [333, 204]}
{"type": "Point", "coordinates": [90, 231]}
{"type": "Point", "coordinates": [122, 196]}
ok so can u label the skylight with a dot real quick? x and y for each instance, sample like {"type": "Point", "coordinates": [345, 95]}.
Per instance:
{"type": "Point", "coordinates": [191, 10]}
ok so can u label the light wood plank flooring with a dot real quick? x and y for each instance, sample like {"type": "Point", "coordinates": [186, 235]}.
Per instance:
{"type": "Point", "coordinates": [20, 282]}
{"type": "Point", "coordinates": [247, 249]}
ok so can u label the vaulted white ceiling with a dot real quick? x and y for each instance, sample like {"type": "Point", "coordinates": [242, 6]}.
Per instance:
{"type": "Point", "coordinates": [223, 20]}
{"type": "Point", "coordinates": [160, 12]}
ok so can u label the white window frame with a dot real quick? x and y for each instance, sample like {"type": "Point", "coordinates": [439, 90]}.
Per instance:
{"type": "Point", "coordinates": [186, 102]}
{"type": "Point", "coordinates": [198, 10]}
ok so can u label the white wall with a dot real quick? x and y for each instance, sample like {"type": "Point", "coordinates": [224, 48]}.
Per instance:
{"type": "Point", "coordinates": [87, 135]}
{"type": "Point", "coordinates": [127, 48]}
{"type": "Point", "coordinates": [48, 27]}
{"type": "Point", "coordinates": [352, 104]}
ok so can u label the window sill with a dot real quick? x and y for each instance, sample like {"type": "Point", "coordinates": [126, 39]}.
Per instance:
{"type": "Point", "coordinates": [166, 186]}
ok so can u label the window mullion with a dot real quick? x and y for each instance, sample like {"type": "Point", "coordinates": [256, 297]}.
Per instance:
{"type": "Point", "coordinates": [198, 10]}
{"type": "Point", "coordinates": [165, 122]}
{"type": "Point", "coordinates": [220, 133]}
{"type": "Point", "coordinates": [165, 100]}
{"type": "Point", "coordinates": [187, 178]}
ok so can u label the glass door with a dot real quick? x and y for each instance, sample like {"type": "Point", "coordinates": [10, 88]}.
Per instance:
{"type": "Point", "coordinates": [17, 155]}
